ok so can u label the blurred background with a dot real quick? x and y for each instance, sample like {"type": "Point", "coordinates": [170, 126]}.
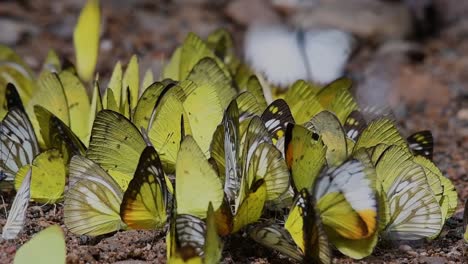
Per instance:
{"type": "Point", "coordinates": [409, 54]}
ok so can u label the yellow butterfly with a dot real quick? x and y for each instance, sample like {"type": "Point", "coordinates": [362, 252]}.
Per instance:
{"type": "Point", "coordinates": [116, 145]}
{"type": "Point", "coordinates": [47, 246]}
{"type": "Point", "coordinates": [144, 204]}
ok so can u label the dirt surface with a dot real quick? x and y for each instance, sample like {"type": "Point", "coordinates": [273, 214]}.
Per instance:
{"type": "Point", "coordinates": [429, 91]}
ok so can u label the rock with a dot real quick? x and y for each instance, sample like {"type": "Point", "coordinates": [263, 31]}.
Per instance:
{"type": "Point", "coordinates": [433, 260]}
{"type": "Point", "coordinates": [247, 12]}
{"type": "Point", "coordinates": [11, 30]}
{"type": "Point", "coordinates": [405, 248]}
{"type": "Point", "coordinates": [463, 114]}
{"type": "Point", "coordinates": [368, 19]}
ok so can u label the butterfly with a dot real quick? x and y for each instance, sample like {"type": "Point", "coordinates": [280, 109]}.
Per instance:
{"type": "Point", "coordinates": [48, 176]}
{"type": "Point", "coordinates": [92, 202]}
{"type": "Point", "coordinates": [315, 55]}
{"type": "Point", "coordinates": [86, 39]}
{"type": "Point", "coordinates": [38, 249]}
{"type": "Point", "coordinates": [58, 135]}
{"type": "Point", "coordinates": [302, 237]}
{"type": "Point", "coordinates": [306, 100]}
{"type": "Point", "coordinates": [15, 71]}
{"type": "Point", "coordinates": [276, 116]}
{"type": "Point", "coordinates": [64, 96]}
{"type": "Point", "coordinates": [194, 172]}
{"type": "Point", "coordinates": [201, 98]}
{"type": "Point", "coordinates": [254, 169]}
{"type": "Point", "coordinates": [192, 239]}
{"type": "Point", "coordinates": [410, 209]}
{"type": "Point", "coordinates": [144, 204]}
{"type": "Point", "coordinates": [116, 145]}
{"type": "Point", "coordinates": [422, 143]}
{"type": "Point", "coordinates": [335, 190]}
{"type": "Point", "coordinates": [185, 57]}
{"type": "Point", "coordinates": [18, 143]}
{"type": "Point", "coordinates": [17, 216]}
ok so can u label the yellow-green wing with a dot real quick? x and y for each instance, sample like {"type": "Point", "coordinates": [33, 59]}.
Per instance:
{"type": "Point", "coordinates": [329, 127]}
{"type": "Point", "coordinates": [213, 247]}
{"type": "Point", "coordinates": [251, 207]}
{"type": "Point", "coordinates": [380, 131]}
{"type": "Point", "coordinates": [145, 200]}
{"type": "Point", "coordinates": [336, 98]}
{"type": "Point", "coordinates": [116, 145]}
{"type": "Point", "coordinates": [305, 228]}
{"type": "Point", "coordinates": [192, 51]}
{"type": "Point", "coordinates": [86, 39]}
{"type": "Point", "coordinates": [96, 106]}
{"type": "Point", "coordinates": [14, 70]}
{"type": "Point", "coordinates": [46, 247]}
{"type": "Point", "coordinates": [50, 95]}
{"type": "Point", "coordinates": [148, 101]}
{"type": "Point", "coordinates": [267, 163]}
{"type": "Point", "coordinates": [441, 186]}
{"type": "Point", "coordinates": [302, 99]}
{"type": "Point", "coordinates": [92, 203]}
{"type": "Point", "coordinates": [78, 104]}
{"type": "Point", "coordinates": [58, 135]}
{"type": "Point", "coordinates": [164, 129]}
{"type": "Point", "coordinates": [277, 238]}
{"type": "Point", "coordinates": [305, 156]}
{"type": "Point", "coordinates": [131, 82]}
{"type": "Point", "coordinates": [206, 101]}
{"type": "Point", "coordinates": [194, 172]}
{"type": "Point", "coordinates": [48, 177]}
{"type": "Point", "coordinates": [414, 212]}
{"type": "Point", "coordinates": [115, 83]}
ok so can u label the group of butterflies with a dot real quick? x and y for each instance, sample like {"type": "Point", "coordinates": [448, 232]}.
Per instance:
{"type": "Point", "coordinates": [203, 154]}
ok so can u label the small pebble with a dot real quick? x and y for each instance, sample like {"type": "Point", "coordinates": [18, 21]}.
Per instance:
{"type": "Point", "coordinates": [405, 248]}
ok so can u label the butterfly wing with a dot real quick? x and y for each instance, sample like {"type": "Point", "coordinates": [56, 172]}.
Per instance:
{"type": "Point", "coordinates": [86, 39]}
{"type": "Point", "coordinates": [116, 145]}
{"type": "Point", "coordinates": [47, 246]}
{"type": "Point", "coordinates": [48, 176]}
{"type": "Point", "coordinates": [92, 203]}
{"type": "Point", "coordinates": [145, 200]}
{"type": "Point", "coordinates": [194, 172]}
{"type": "Point", "coordinates": [414, 212]}
{"type": "Point", "coordinates": [328, 126]}
{"type": "Point", "coordinates": [276, 117]}
{"type": "Point", "coordinates": [305, 228]}
{"type": "Point", "coordinates": [305, 156]}
{"type": "Point", "coordinates": [18, 143]}
{"type": "Point", "coordinates": [422, 144]}
{"type": "Point", "coordinates": [17, 215]}
{"type": "Point", "coordinates": [277, 238]}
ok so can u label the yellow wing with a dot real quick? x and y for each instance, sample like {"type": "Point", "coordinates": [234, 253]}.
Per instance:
{"type": "Point", "coordinates": [305, 156]}
{"type": "Point", "coordinates": [48, 177]}
{"type": "Point", "coordinates": [194, 172]}
{"type": "Point", "coordinates": [145, 201]}
{"type": "Point", "coordinates": [86, 39]}
{"type": "Point", "coordinates": [116, 145]}
{"type": "Point", "coordinates": [45, 247]}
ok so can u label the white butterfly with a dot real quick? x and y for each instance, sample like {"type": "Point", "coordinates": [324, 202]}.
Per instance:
{"type": "Point", "coordinates": [285, 55]}
{"type": "Point", "coordinates": [18, 143]}
{"type": "Point", "coordinates": [17, 216]}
